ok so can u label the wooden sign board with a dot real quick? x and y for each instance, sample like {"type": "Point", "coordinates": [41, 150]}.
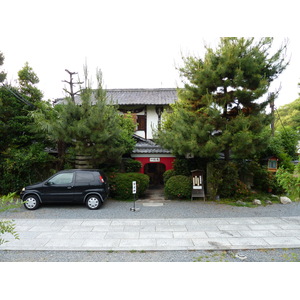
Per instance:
{"type": "Point", "coordinates": [198, 184]}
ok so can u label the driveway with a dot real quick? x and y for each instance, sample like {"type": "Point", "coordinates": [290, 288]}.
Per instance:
{"type": "Point", "coordinates": [113, 209]}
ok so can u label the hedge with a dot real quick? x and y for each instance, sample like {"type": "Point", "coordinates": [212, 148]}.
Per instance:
{"type": "Point", "coordinates": [168, 174]}
{"type": "Point", "coordinates": [179, 187]}
{"type": "Point", "coordinates": [121, 185]}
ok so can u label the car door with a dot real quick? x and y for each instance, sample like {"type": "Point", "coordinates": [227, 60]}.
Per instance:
{"type": "Point", "coordinates": [59, 188]}
{"type": "Point", "coordinates": [83, 181]}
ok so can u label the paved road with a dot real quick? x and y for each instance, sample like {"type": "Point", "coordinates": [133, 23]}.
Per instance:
{"type": "Point", "coordinates": [156, 234]}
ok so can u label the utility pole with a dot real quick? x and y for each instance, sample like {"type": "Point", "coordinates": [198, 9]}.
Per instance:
{"type": "Point", "coordinates": [272, 96]}
{"type": "Point", "coordinates": [272, 106]}
{"type": "Point", "coordinates": [71, 83]}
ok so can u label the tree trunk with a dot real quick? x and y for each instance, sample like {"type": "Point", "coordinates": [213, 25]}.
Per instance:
{"type": "Point", "coordinates": [61, 149]}
{"type": "Point", "coordinates": [227, 154]}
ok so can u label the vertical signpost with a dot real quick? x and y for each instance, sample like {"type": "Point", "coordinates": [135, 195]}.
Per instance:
{"type": "Point", "coordinates": [198, 184]}
{"type": "Point", "coordinates": [134, 195]}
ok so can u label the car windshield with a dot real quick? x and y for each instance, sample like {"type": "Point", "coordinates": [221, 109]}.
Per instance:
{"type": "Point", "coordinates": [63, 178]}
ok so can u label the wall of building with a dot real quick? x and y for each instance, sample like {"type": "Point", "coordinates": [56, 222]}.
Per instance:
{"type": "Point", "coordinates": [152, 121]}
{"type": "Point", "coordinates": [166, 160]}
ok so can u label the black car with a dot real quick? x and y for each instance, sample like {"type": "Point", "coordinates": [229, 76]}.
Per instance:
{"type": "Point", "coordinates": [77, 186]}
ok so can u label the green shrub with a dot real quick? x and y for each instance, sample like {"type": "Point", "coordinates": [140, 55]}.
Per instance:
{"type": "Point", "coordinates": [181, 166]}
{"type": "Point", "coordinates": [184, 166]}
{"type": "Point", "coordinates": [230, 178]}
{"type": "Point", "coordinates": [179, 187]}
{"type": "Point", "coordinates": [241, 189]}
{"type": "Point", "coordinates": [263, 180]}
{"type": "Point", "coordinates": [121, 185]}
{"type": "Point", "coordinates": [168, 174]}
{"type": "Point", "coordinates": [261, 177]}
{"type": "Point", "coordinates": [274, 185]}
{"type": "Point", "coordinates": [24, 166]}
{"type": "Point", "coordinates": [290, 181]}
{"type": "Point", "coordinates": [131, 165]}
{"type": "Point", "coordinates": [214, 178]}
{"type": "Point", "coordinates": [7, 226]}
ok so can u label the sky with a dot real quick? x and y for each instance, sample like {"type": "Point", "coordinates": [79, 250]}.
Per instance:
{"type": "Point", "coordinates": [136, 44]}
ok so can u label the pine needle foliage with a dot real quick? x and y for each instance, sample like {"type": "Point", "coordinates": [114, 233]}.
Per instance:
{"type": "Point", "coordinates": [222, 105]}
{"type": "Point", "coordinates": [91, 125]}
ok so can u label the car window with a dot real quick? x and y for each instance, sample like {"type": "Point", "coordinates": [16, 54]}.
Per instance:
{"type": "Point", "coordinates": [63, 178]}
{"type": "Point", "coordinates": [84, 177]}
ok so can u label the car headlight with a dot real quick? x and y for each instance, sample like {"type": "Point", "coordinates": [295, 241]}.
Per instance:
{"type": "Point", "coordinates": [23, 189]}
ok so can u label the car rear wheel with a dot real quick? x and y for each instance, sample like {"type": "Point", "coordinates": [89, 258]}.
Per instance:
{"type": "Point", "coordinates": [31, 202]}
{"type": "Point", "coordinates": [93, 202]}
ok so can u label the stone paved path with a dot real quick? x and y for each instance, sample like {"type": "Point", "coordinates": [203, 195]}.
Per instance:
{"type": "Point", "coordinates": [156, 234]}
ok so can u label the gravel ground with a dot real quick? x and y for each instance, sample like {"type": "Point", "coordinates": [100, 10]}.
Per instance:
{"type": "Point", "coordinates": [270, 255]}
{"type": "Point", "coordinates": [169, 209]}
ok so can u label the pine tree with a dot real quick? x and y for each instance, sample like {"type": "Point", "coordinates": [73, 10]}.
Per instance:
{"type": "Point", "coordinates": [221, 109]}
{"type": "Point", "coordinates": [288, 115]}
{"type": "Point", "coordinates": [2, 73]}
{"type": "Point", "coordinates": [27, 81]}
{"type": "Point", "coordinates": [91, 126]}
{"type": "Point", "coordinates": [23, 160]}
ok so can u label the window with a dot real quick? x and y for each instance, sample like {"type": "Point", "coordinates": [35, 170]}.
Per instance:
{"type": "Point", "coordinates": [141, 120]}
{"type": "Point", "coordinates": [84, 177]}
{"type": "Point", "coordinates": [63, 178]}
{"type": "Point", "coordinates": [272, 164]}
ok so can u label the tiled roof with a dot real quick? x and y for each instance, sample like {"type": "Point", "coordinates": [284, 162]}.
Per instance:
{"type": "Point", "coordinates": [144, 146]}
{"type": "Point", "coordinates": [142, 96]}
{"type": "Point", "coordinates": [159, 96]}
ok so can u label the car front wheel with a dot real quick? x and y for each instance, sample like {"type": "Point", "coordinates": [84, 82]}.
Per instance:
{"type": "Point", "coordinates": [31, 202]}
{"type": "Point", "coordinates": [93, 202]}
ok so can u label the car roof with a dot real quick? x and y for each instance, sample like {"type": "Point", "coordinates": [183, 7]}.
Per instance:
{"type": "Point", "coordinates": [80, 170]}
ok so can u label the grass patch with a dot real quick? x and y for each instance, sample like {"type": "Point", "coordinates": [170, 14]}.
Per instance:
{"type": "Point", "coordinates": [292, 257]}
{"type": "Point", "coordinates": [247, 201]}
{"type": "Point", "coordinates": [212, 257]}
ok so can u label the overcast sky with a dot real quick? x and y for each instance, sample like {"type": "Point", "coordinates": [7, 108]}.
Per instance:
{"type": "Point", "coordinates": [136, 44]}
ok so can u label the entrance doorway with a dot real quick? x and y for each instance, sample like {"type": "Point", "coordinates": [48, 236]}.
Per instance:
{"type": "Point", "coordinates": [155, 171]}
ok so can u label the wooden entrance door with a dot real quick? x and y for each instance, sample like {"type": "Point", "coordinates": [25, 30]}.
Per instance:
{"type": "Point", "coordinates": [155, 172]}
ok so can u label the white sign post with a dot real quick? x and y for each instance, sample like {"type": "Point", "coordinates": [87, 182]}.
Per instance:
{"type": "Point", "coordinates": [134, 193]}
{"type": "Point", "coordinates": [134, 187]}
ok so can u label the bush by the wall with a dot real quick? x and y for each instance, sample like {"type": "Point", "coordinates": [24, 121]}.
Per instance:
{"type": "Point", "coordinates": [168, 174]}
{"type": "Point", "coordinates": [131, 165]}
{"type": "Point", "coordinates": [179, 187]}
{"type": "Point", "coordinates": [121, 185]}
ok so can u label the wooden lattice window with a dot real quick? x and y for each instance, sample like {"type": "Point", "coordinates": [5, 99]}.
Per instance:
{"type": "Point", "coordinates": [141, 120]}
